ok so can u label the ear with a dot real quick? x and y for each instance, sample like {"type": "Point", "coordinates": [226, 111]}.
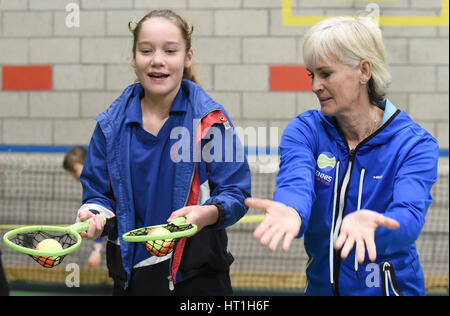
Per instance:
{"type": "Point", "coordinates": [133, 63]}
{"type": "Point", "coordinates": [189, 58]}
{"type": "Point", "coordinates": [365, 68]}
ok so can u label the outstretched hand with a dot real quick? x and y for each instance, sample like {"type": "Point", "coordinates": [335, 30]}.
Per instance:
{"type": "Point", "coordinates": [359, 227]}
{"type": "Point", "coordinates": [280, 222]}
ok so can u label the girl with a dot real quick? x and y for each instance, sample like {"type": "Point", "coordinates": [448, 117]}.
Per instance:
{"type": "Point", "coordinates": [144, 168]}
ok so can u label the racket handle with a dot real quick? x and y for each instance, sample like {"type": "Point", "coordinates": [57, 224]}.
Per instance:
{"type": "Point", "coordinates": [80, 226]}
{"type": "Point", "coordinates": [83, 225]}
{"type": "Point", "coordinates": [179, 221]}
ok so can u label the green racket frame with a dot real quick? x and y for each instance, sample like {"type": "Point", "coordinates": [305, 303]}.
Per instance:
{"type": "Point", "coordinates": [178, 228]}
{"type": "Point", "coordinates": [73, 230]}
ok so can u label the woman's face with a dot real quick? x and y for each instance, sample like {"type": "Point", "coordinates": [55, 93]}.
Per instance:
{"type": "Point", "coordinates": [161, 57]}
{"type": "Point", "coordinates": [336, 85]}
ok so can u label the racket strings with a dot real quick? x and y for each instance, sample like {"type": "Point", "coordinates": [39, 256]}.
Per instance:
{"type": "Point", "coordinates": [161, 247]}
{"type": "Point", "coordinates": [32, 239]}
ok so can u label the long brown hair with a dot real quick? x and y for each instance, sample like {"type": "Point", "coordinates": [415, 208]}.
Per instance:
{"type": "Point", "coordinates": [186, 33]}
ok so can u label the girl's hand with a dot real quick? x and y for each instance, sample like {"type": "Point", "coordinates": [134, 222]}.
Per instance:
{"type": "Point", "coordinates": [200, 215]}
{"type": "Point", "coordinates": [96, 224]}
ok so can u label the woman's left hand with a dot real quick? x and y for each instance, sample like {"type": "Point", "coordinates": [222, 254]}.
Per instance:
{"type": "Point", "coordinates": [200, 215]}
{"type": "Point", "coordinates": [359, 227]}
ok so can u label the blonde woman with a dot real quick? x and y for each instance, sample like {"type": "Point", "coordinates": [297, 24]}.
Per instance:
{"type": "Point", "coordinates": [355, 177]}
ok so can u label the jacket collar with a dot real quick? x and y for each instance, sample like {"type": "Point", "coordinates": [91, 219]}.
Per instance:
{"type": "Point", "coordinates": [133, 111]}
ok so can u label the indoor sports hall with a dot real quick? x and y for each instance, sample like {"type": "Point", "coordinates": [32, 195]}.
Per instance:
{"type": "Point", "coordinates": [63, 62]}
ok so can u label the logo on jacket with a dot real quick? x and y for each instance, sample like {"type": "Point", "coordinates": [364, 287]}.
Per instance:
{"type": "Point", "coordinates": [326, 161]}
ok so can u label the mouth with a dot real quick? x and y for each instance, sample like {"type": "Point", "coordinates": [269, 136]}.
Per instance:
{"type": "Point", "coordinates": [324, 100]}
{"type": "Point", "coordinates": [158, 76]}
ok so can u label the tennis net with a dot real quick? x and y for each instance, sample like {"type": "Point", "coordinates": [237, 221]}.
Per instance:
{"type": "Point", "coordinates": [34, 189]}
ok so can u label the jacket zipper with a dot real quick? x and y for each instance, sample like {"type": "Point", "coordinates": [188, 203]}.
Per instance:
{"type": "Point", "coordinates": [352, 155]}
{"type": "Point", "coordinates": [341, 204]}
{"type": "Point", "coordinates": [171, 277]}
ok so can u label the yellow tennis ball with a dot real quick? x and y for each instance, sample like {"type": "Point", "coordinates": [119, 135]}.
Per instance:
{"type": "Point", "coordinates": [159, 247]}
{"type": "Point", "coordinates": [52, 245]}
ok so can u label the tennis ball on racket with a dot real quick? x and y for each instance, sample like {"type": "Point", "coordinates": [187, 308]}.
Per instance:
{"type": "Point", "coordinates": [52, 245]}
{"type": "Point", "coordinates": [160, 247]}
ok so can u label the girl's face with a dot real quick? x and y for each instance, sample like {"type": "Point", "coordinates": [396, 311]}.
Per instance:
{"type": "Point", "coordinates": [336, 85]}
{"type": "Point", "coordinates": [161, 57]}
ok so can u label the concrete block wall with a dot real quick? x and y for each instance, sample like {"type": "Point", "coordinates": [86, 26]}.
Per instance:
{"type": "Point", "coordinates": [236, 43]}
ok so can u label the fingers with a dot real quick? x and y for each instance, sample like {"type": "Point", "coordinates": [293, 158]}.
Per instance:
{"type": "Point", "coordinates": [360, 251]}
{"type": "Point", "coordinates": [277, 236]}
{"type": "Point", "coordinates": [280, 222]}
{"type": "Point", "coordinates": [341, 240]}
{"type": "Point", "coordinates": [348, 246]}
{"type": "Point", "coordinates": [258, 203]}
{"type": "Point", "coordinates": [347, 242]}
{"type": "Point", "coordinates": [180, 212]}
{"type": "Point", "coordinates": [96, 224]}
{"type": "Point", "coordinates": [271, 234]}
{"type": "Point", "coordinates": [259, 231]}
{"type": "Point", "coordinates": [268, 237]}
{"type": "Point", "coordinates": [288, 238]}
{"type": "Point", "coordinates": [84, 215]}
{"type": "Point", "coordinates": [387, 222]}
{"type": "Point", "coordinates": [371, 250]}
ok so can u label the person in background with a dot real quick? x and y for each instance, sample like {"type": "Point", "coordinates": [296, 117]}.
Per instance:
{"type": "Point", "coordinates": [73, 163]}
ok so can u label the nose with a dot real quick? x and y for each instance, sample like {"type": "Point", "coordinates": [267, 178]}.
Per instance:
{"type": "Point", "coordinates": [157, 58]}
{"type": "Point", "coordinates": [317, 86]}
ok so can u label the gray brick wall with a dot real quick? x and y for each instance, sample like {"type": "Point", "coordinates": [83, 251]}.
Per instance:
{"type": "Point", "coordinates": [235, 43]}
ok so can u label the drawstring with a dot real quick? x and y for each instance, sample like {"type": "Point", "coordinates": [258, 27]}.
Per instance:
{"type": "Point", "coordinates": [334, 231]}
{"type": "Point", "coordinates": [336, 181]}
{"type": "Point", "coordinates": [389, 279]}
{"type": "Point", "coordinates": [361, 181]}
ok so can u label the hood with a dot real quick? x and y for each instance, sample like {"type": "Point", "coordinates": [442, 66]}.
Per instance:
{"type": "Point", "coordinates": [199, 101]}
{"type": "Point", "coordinates": [394, 122]}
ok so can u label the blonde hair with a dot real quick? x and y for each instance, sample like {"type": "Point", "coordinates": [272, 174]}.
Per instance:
{"type": "Point", "coordinates": [186, 33]}
{"type": "Point", "coordinates": [350, 40]}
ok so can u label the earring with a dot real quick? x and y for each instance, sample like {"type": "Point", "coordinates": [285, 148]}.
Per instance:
{"type": "Point", "coordinates": [363, 82]}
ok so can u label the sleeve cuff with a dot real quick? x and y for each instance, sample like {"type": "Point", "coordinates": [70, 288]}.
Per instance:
{"type": "Point", "coordinates": [222, 215]}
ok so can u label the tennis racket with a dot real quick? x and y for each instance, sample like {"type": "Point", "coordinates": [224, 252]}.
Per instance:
{"type": "Point", "coordinates": [26, 240]}
{"type": "Point", "coordinates": [161, 242]}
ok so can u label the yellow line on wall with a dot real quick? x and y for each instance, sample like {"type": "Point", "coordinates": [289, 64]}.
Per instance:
{"type": "Point", "coordinates": [307, 20]}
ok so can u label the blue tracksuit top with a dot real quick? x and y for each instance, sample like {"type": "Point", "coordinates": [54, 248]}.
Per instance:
{"type": "Point", "coordinates": [390, 172]}
{"type": "Point", "coordinates": [152, 170]}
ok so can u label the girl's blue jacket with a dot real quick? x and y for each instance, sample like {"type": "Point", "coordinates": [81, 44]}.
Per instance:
{"type": "Point", "coordinates": [223, 181]}
{"type": "Point", "coordinates": [390, 172]}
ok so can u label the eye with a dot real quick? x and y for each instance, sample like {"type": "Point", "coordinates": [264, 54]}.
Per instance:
{"type": "Point", "coordinates": [325, 74]}
{"type": "Point", "coordinates": [171, 51]}
{"type": "Point", "coordinates": [146, 51]}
